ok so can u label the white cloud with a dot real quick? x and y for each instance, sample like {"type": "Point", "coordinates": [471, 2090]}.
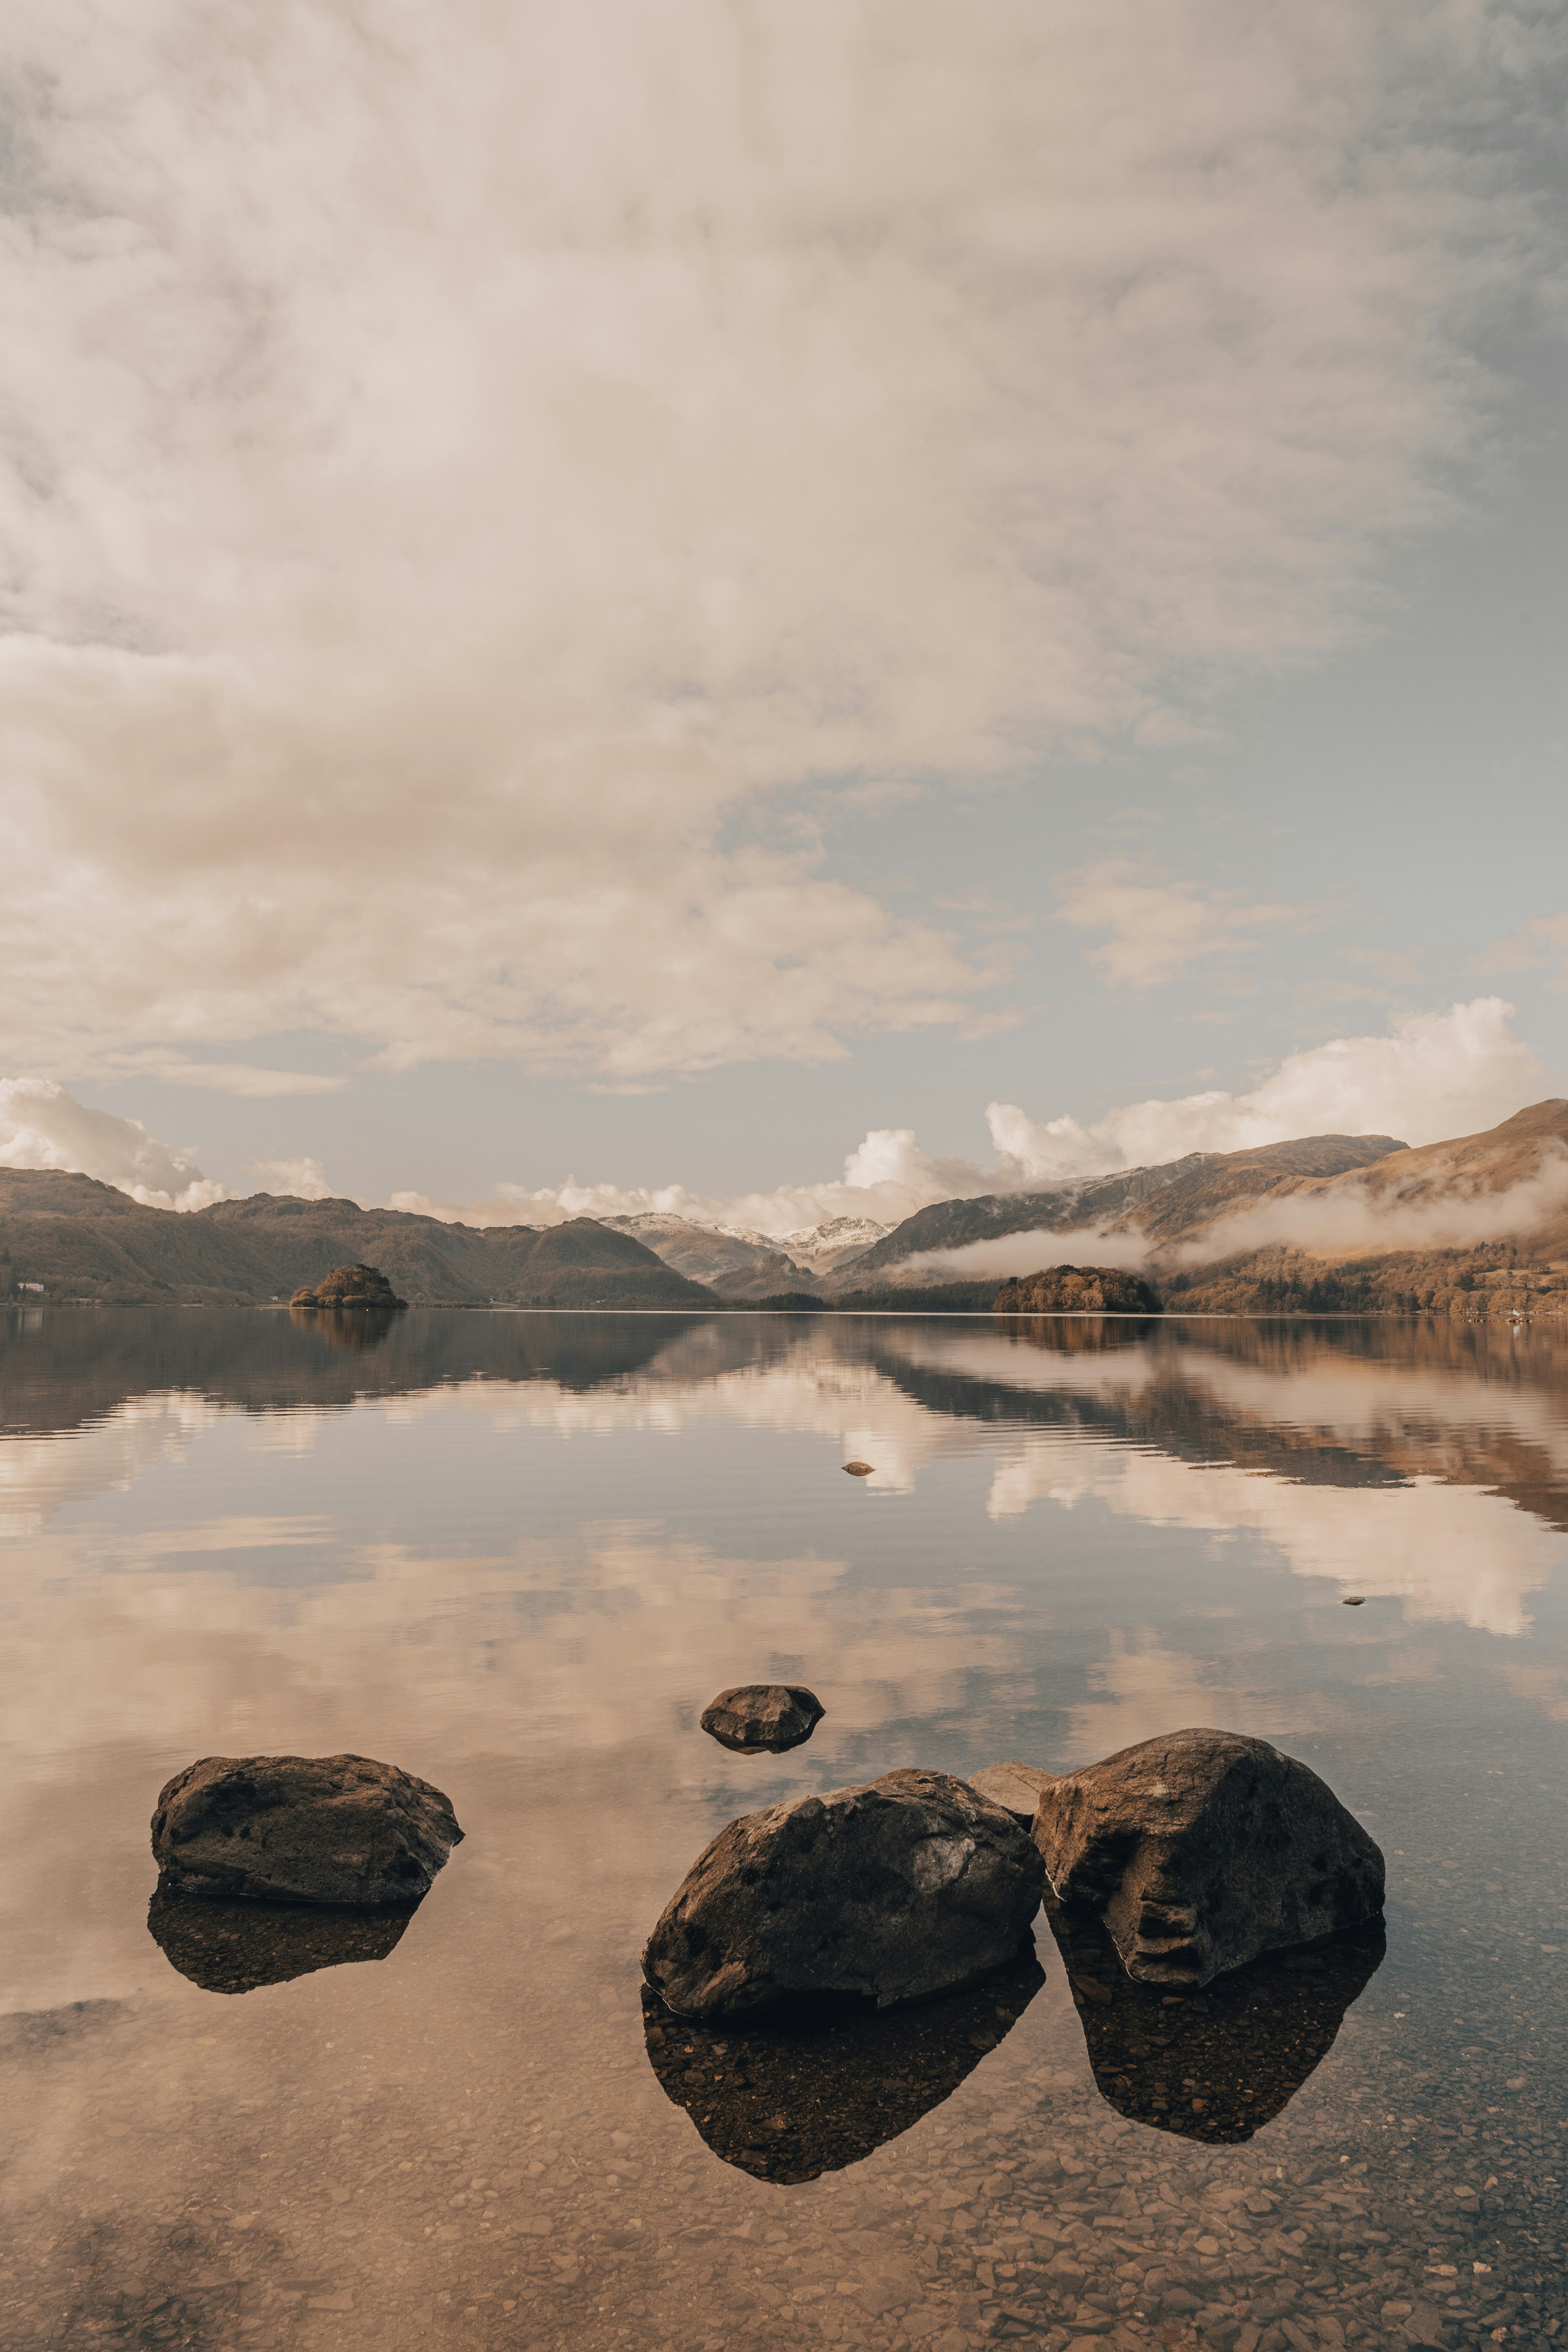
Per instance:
{"type": "Point", "coordinates": [305, 1179]}
{"type": "Point", "coordinates": [460, 461]}
{"type": "Point", "coordinates": [1157, 927]}
{"type": "Point", "coordinates": [1434, 1076]}
{"type": "Point", "coordinates": [1028, 1254]}
{"type": "Point", "coordinates": [886, 1177]}
{"type": "Point", "coordinates": [43, 1126]}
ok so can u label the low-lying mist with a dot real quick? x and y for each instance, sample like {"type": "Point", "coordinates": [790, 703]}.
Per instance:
{"type": "Point", "coordinates": [1353, 1219]}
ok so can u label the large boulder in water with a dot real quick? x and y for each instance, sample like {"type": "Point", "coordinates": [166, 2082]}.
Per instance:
{"type": "Point", "coordinates": [1204, 1848]}
{"type": "Point", "coordinates": [909, 1886]}
{"type": "Point", "coordinates": [770, 1716]}
{"type": "Point", "coordinates": [302, 1829]}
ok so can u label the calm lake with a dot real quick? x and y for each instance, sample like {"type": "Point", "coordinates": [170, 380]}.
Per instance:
{"type": "Point", "coordinates": [517, 1554]}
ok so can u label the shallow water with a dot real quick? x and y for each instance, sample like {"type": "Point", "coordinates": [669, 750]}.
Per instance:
{"type": "Point", "coordinates": [518, 1554]}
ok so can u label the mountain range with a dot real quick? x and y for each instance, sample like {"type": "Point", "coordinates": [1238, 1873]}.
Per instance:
{"type": "Point", "coordinates": [1325, 1224]}
{"type": "Point", "coordinates": [71, 1236]}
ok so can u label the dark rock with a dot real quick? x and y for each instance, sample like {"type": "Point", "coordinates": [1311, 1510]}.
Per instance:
{"type": "Point", "coordinates": [350, 1285]}
{"type": "Point", "coordinates": [235, 1946]}
{"type": "Point", "coordinates": [1220, 2064]}
{"type": "Point", "coordinates": [1203, 1849]}
{"type": "Point", "coordinates": [859, 1469]}
{"type": "Point", "coordinates": [909, 1886]}
{"type": "Point", "coordinates": [1015, 1787]}
{"type": "Point", "coordinates": [1356, 1601]}
{"type": "Point", "coordinates": [812, 2089]}
{"type": "Point", "coordinates": [302, 1829]}
{"type": "Point", "coordinates": [755, 1717]}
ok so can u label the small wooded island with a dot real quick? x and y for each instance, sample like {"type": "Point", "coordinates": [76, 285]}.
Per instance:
{"type": "Point", "coordinates": [350, 1285]}
{"type": "Point", "coordinates": [1077, 1290]}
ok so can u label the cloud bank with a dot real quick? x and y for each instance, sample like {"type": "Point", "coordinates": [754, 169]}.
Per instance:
{"type": "Point", "coordinates": [461, 468]}
{"type": "Point", "coordinates": [43, 1126]}
{"type": "Point", "coordinates": [303, 1177]}
{"type": "Point", "coordinates": [1436, 1075]}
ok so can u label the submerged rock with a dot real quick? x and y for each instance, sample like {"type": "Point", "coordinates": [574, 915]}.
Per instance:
{"type": "Point", "coordinates": [350, 1285]}
{"type": "Point", "coordinates": [807, 2092]}
{"type": "Point", "coordinates": [762, 1715]}
{"type": "Point", "coordinates": [910, 1884]}
{"type": "Point", "coordinates": [236, 1946]}
{"type": "Point", "coordinates": [302, 1829]}
{"type": "Point", "coordinates": [1218, 2064]}
{"type": "Point", "coordinates": [1202, 1849]}
{"type": "Point", "coordinates": [1015, 1787]}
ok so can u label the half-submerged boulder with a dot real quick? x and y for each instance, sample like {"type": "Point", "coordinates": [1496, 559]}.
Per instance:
{"type": "Point", "coordinates": [340, 1830]}
{"type": "Point", "coordinates": [350, 1285]}
{"type": "Point", "coordinates": [909, 1886]}
{"type": "Point", "coordinates": [762, 1716]}
{"type": "Point", "coordinates": [1202, 1849]}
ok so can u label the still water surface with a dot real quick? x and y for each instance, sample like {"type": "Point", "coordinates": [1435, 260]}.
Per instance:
{"type": "Point", "coordinates": [517, 1554]}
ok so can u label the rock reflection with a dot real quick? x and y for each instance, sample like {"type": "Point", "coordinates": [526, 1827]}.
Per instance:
{"type": "Point", "coordinates": [236, 1946]}
{"type": "Point", "coordinates": [817, 2089]}
{"type": "Point", "coordinates": [1214, 2065]}
{"type": "Point", "coordinates": [356, 1328]}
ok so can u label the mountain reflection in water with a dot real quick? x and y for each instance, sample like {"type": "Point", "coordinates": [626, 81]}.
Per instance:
{"type": "Point", "coordinates": [236, 1946]}
{"type": "Point", "coordinates": [1220, 2064]}
{"type": "Point", "coordinates": [814, 2090]}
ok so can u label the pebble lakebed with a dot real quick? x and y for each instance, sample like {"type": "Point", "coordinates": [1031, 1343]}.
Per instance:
{"type": "Point", "coordinates": [1408, 2195]}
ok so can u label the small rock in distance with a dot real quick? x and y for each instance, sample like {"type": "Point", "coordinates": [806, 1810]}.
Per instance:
{"type": "Point", "coordinates": [859, 1469]}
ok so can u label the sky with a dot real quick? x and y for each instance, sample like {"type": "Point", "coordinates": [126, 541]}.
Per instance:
{"type": "Point", "coordinates": [775, 608]}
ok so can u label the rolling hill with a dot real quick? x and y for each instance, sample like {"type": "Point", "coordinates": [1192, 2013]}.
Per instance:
{"type": "Point", "coordinates": [72, 1237]}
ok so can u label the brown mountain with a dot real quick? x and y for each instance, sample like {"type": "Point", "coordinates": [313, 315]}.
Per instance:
{"type": "Point", "coordinates": [1508, 1184]}
{"type": "Point", "coordinates": [70, 1237]}
{"type": "Point", "coordinates": [1520, 1266]}
{"type": "Point", "coordinates": [1188, 1191]}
